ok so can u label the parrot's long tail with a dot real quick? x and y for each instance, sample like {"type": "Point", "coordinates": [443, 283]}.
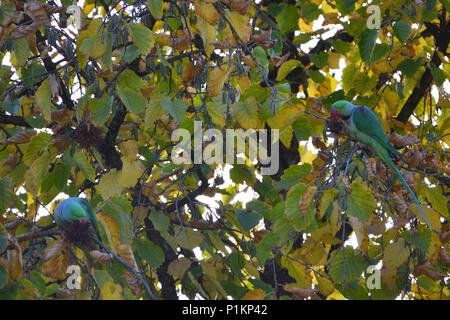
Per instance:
{"type": "Point", "coordinates": [388, 160]}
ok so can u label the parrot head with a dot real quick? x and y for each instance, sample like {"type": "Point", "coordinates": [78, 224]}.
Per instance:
{"type": "Point", "coordinates": [341, 109]}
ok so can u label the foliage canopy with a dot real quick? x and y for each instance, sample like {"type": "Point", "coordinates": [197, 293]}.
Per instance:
{"type": "Point", "coordinates": [89, 98]}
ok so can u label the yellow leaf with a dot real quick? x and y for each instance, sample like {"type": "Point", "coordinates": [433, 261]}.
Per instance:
{"type": "Point", "coordinates": [241, 25]}
{"type": "Point", "coordinates": [112, 230]}
{"type": "Point", "coordinates": [177, 268]}
{"type": "Point", "coordinates": [112, 291]}
{"type": "Point", "coordinates": [131, 172]}
{"type": "Point", "coordinates": [284, 117]}
{"type": "Point", "coordinates": [208, 33]}
{"type": "Point", "coordinates": [303, 26]}
{"type": "Point", "coordinates": [189, 239]}
{"type": "Point", "coordinates": [434, 249]}
{"type": "Point", "coordinates": [326, 286]}
{"type": "Point", "coordinates": [129, 149]}
{"type": "Point", "coordinates": [247, 113]}
{"type": "Point", "coordinates": [333, 60]}
{"type": "Point", "coordinates": [395, 254]}
{"type": "Point", "coordinates": [109, 184]}
{"type": "Point", "coordinates": [56, 265]}
{"type": "Point", "coordinates": [286, 135]}
{"type": "Point", "coordinates": [217, 113]}
{"type": "Point", "coordinates": [43, 99]}
{"type": "Point", "coordinates": [207, 11]}
{"type": "Point", "coordinates": [287, 67]}
{"type": "Point", "coordinates": [257, 294]}
{"type": "Point", "coordinates": [432, 215]}
{"type": "Point", "coordinates": [217, 78]}
{"type": "Point", "coordinates": [244, 83]}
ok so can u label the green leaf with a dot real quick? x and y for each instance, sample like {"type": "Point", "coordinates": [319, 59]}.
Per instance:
{"type": "Point", "coordinates": [439, 75]}
{"type": "Point", "coordinates": [100, 109]}
{"type": "Point", "coordinates": [83, 163]}
{"type": "Point", "coordinates": [6, 195]}
{"type": "Point", "coordinates": [3, 235]}
{"type": "Point", "coordinates": [101, 277]}
{"type": "Point", "coordinates": [160, 221]}
{"type": "Point", "coordinates": [379, 51]}
{"type": "Point", "coordinates": [287, 19]}
{"type": "Point", "coordinates": [264, 247]}
{"type": "Point", "coordinates": [438, 201]}
{"type": "Point", "coordinates": [348, 75]}
{"type": "Point", "coordinates": [316, 76]}
{"type": "Point", "coordinates": [360, 202]}
{"type": "Point", "coordinates": [354, 265]}
{"type": "Point", "coordinates": [94, 46]}
{"type": "Point", "coordinates": [310, 11]}
{"type": "Point", "coordinates": [153, 111]}
{"type": "Point", "coordinates": [177, 109]}
{"type": "Point", "coordinates": [142, 36]}
{"type": "Point", "coordinates": [291, 207]}
{"type": "Point", "coordinates": [156, 8]}
{"type": "Point", "coordinates": [345, 6]}
{"type": "Point", "coordinates": [149, 252]}
{"type": "Point", "coordinates": [3, 276]}
{"type": "Point", "coordinates": [37, 144]}
{"type": "Point", "coordinates": [43, 99]}
{"type": "Point", "coordinates": [302, 128]}
{"type": "Point", "coordinates": [327, 198]}
{"type": "Point", "coordinates": [320, 59]}
{"type": "Point", "coordinates": [409, 67]}
{"type": "Point", "coordinates": [132, 99]}
{"type": "Point", "coordinates": [292, 176]}
{"type": "Point", "coordinates": [422, 241]}
{"type": "Point", "coordinates": [248, 220]}
{"type": "Point", "coordinates": [21, 51]}
{"type": "Point", "coordinates": [287, 67]}
{"type": "Point", "coordinates": [401, 30]}
{"type": "Point", "coordinates": [367, 44]}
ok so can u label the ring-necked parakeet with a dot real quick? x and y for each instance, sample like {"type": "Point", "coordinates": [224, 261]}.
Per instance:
{"type": "Point", "coordinates": [77, 221]}
{"type": "Point", "coordinates": [365, 126]}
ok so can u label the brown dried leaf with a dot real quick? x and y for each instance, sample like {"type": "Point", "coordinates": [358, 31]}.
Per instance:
{"type": "Point", "coordinates": [400, 203]}
{"type": "Point", "coordinates": [305, 199]}
{"type": "Point", "coordinates": [53, 85]}
{"type": "Point", "coordinates": [222, 45]}
{"type": "Point", "coordinates": [426, 270]}
{"type": "Point", "coordinates": [444, 256]}
{"type": "Point", "coordinates": [406, 140]}
{"type": "Point", "coordinates": [65, 293]}
{"type": "Point", "coordinates": [377, 226]}
{"type": "Point", "coordinates": [262, 37]}
{"type": "Point", "coordinates": [346, 183]}
{"type": "Point", "coordinates": [180, 43]}
{"type": "Point", "coordinates": [61, 115]}
{"type": "Point", "coordinates": [11, 160]}
{"type": "Point", "coordinates": [371, 166]}
{"type": "Point", "coordinates": [240, 6]}
{"type": "Point", "coordinates": [20, 137]}
{"type": "Point", "coordinates": [56, 266]}
{"type": "Point", "coordinates": [318, 143]}
{"type": "Point", "coordinates": [278, 61]}
{"type": "Point", "coordinates": [53, 250]}
{"type": "Point", "coordinates": [102, 257]}
{"type": "Point", "coordinates": [302, 293]}
{"type": "Point", "coordinates": [25, 30]}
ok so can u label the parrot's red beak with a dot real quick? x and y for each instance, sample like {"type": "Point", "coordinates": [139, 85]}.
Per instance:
{"type": "Point", "coordinates": [335, 114]}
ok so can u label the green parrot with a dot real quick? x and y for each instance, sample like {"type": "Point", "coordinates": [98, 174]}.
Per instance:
{"type": "Point", "coordinates": [365, 126]}
{"type": "Point", "coordinates": [77, 221]}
